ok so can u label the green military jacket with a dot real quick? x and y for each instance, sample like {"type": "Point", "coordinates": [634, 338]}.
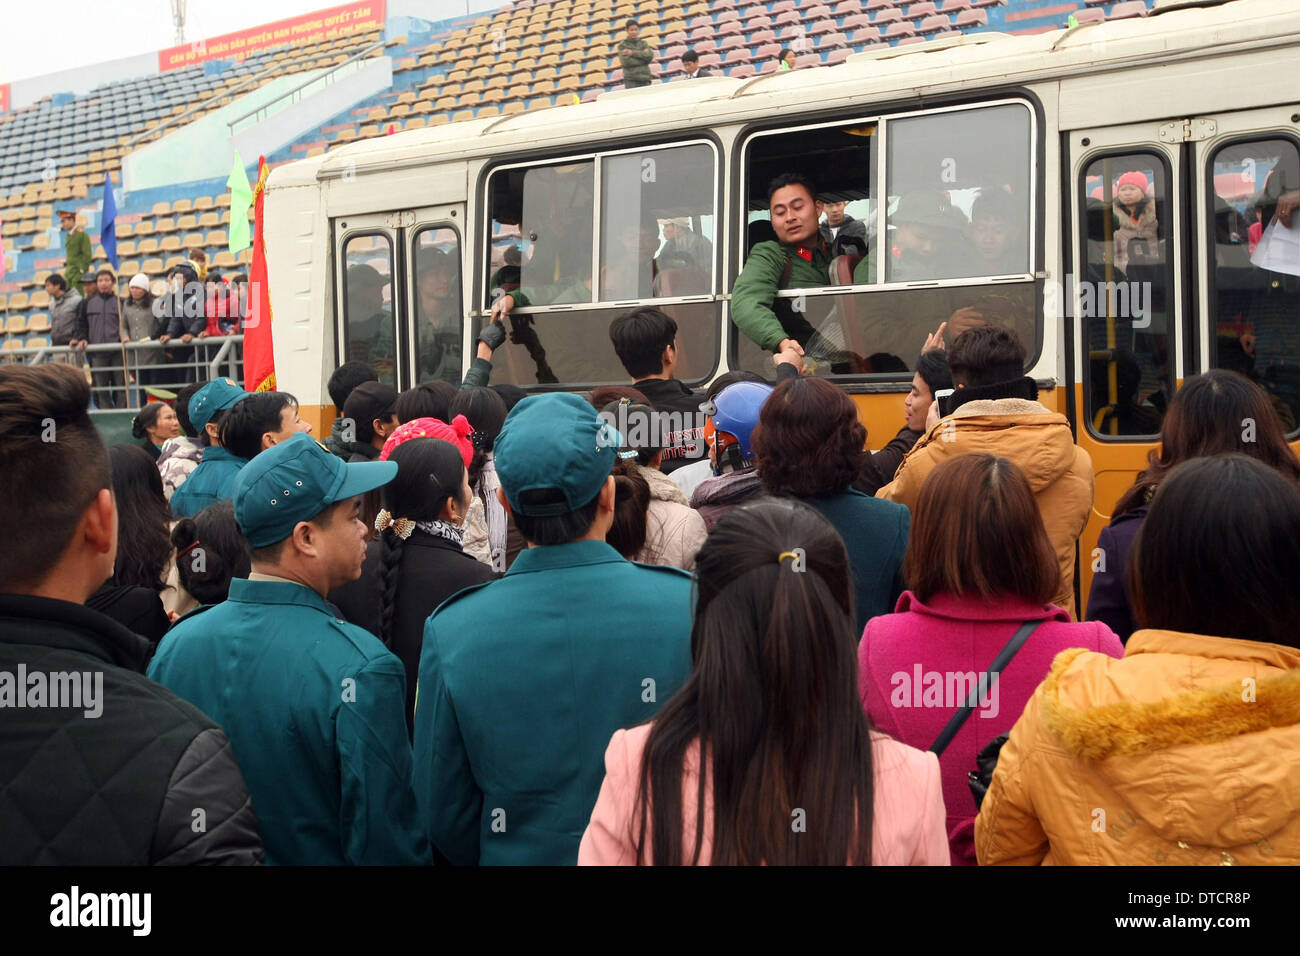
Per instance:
{"type": "Point", "coordinates": [212, 481]}
{"type": "Point", "coordinates": [315, 711]}
{"type": "Point", "coordinates": [522, 683]}
{"type": "Point", "coordinates": [77, 254]}
{"type": "Point", "coordinates": [754, 295]}
{"type": "Point", "coordinates": [635, 57]}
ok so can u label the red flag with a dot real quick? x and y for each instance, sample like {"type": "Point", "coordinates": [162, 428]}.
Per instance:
{"type": "Point", "coordinates": [259, 358]}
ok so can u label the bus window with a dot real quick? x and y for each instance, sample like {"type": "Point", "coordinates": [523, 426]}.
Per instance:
{"type": "Point", "coordinates": [1256, 289]}
{"type": "Point", "coordinates": [1123, 298]}
{"type": "Point", "coordinates": [959, 185]}
{"type": "Point", "coordinates": [551, 210]}
{"type": "Point", "coordinates": [656, 216]}
{"type": "Point", "coordinates": [840, 161]}
{"type": "Point", "coordinates": [438, 315]}
{"type": "Point", "coordinates": [369, 331]}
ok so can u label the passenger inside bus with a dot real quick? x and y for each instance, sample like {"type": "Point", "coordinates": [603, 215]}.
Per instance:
{"type": "Point", "coordinates": [438, 313]}
{"type": "Point", "coordinates": [370, 336]}
{"type": "Point", "coordinates": [1134, 215]}
{"type": "Point", "coordinates": [1257, 295]}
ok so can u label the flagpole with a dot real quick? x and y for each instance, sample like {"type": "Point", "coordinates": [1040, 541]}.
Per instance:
{"type": "Point", "coordinates": [121, 340]}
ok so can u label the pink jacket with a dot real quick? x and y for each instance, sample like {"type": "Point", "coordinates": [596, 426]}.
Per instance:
{"type": "Point", "coordinates": [917, 666]}
{"type": "Point", "coordinates": [907, 822]}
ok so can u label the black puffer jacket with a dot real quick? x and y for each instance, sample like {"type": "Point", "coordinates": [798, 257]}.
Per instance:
{"type": "Point", "coordinates": [134, 776]}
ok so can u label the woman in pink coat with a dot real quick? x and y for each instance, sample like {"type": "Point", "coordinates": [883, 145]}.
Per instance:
{"type": "Point", "coordinates": [793, 775]}
{"type": "Point", "coordinates": [979, 564]}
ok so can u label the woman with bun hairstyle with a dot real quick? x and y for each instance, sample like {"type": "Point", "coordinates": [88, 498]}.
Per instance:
{"type": "Point", "coordinates": [210, 550]}
{"type": "Point", "coordinates": [416, 561]}
{"type": "Point", "coordinates": [154, 425]}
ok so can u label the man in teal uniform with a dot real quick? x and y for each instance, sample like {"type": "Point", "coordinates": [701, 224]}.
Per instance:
{"type": "Point", "coordinates": [215, 475]}
{"type": "Point", "coordinates": [524, 680]}
{"type": "Point", "coordinates": [314, 707]}
{"type": "Point", "coordinates": [798, 259]}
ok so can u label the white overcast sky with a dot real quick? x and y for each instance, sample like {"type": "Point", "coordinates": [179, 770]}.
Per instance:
{"type": "Point", "coordinates": [37, 38]}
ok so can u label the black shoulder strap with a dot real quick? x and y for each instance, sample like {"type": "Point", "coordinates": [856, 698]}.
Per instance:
{"type": "Point", "coordinates": [786, 272]}
{"type": "Point", "coordinates": [990, 676]}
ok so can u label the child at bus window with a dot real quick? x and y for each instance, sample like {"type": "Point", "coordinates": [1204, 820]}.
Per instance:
{"type": "Point", "coordinates": [1135, 215]}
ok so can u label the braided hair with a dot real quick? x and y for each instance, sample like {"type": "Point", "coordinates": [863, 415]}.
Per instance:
{"type": "Point", "coordinates": [429, 471]}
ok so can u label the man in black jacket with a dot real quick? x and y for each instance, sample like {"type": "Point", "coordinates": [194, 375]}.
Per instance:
{"type": "Point", "coordinates": [98, 764]}
{"type": "Point", "coordinates": [646, 342]}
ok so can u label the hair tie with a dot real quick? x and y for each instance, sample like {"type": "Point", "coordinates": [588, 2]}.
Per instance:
{"type": "Point", "coordinates": [402, 527]}
{"type": "Point", "coordinates": [461, 426]}
{"type": "Point", "coordinates": [478, 440]}
{"type": "Point", "coordinates": [189, 547]}
{"type": "Point", "coordinates": [786, 554]}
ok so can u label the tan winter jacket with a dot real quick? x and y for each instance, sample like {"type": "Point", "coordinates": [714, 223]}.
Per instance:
{"type": "Point", "coordinates": [674, 530]}
{"type": "Point", "coordinates": [1184, 752]}
{"type": "Point", "coordinates": [1036, 439]}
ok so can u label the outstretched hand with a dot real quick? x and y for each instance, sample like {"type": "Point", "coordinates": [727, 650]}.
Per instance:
{"type": "Point", "coordinates": [935, 339]}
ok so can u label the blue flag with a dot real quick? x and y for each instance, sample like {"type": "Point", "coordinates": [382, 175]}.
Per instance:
{"type": "Point", "coordinates": [107, 223]}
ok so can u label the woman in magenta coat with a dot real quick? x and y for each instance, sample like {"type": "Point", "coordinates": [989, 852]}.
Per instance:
{"type": "Point", "coordinates": [979, 564]}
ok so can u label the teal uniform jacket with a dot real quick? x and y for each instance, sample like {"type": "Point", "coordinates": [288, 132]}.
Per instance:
{"type": "Point", "coordinates": [522, 683]}
{"type": "Point", "coordinates": [876, 540]}
{"type": "Point", "coordinates": [314, 709]}
{"type": "Point", "coordinates": [755, 291]}
{"type": "Point", "coordinates": [212, 481]}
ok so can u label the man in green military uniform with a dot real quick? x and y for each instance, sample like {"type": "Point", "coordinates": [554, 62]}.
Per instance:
{"type": "Point", "coordinates": [76, 248]}
{"type": "Point", "coordinates": [798, 259]}
{"type": "Point", "coordinates": [214, 478]}
{"type": "Point", "coordinates": [635, 56]}
{"type": "Point", "coordinates": [524, 680]}
{"type": "Point", "coordinates": [314, 706]}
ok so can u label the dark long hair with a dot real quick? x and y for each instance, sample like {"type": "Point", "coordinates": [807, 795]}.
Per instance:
{"type": "Point", "coordinates": [143, 543]}
{"type": "Point", "coordinates": [429, 471]}
{"type": "Point", "coordinates": [1215, 413]}
{"type": "Point", "coordinates": [1219, 553]}
{"type": "Point", "coordinates": [486, 412]}
{"type": "Point", "coordinates": [772, 700]}
{"type": "Point", "coordinates": [209, 552]}
{"type": "Point", "coordinates": [631, 505]}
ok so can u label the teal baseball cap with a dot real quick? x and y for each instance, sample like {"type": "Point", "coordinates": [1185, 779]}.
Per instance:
{"type": "Point", "coordinates": [295, 481]}
{"type": "Point", "coordinates": [218, 395]}
{"type": "Point", "coordinates": [554, 442]}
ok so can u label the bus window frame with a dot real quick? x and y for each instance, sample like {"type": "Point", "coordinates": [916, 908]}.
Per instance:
{"type": "Point", "coordinates": [1035, 240]}
{"type": "Point", "coordinates": [341, 337]}
{"type": "Point", "coordinates": [596, 156]}
{"type": "Point", "coordinates": [415, 231]}
{"type": "Point", "coordinates": [1086, 160]}
{"type": "Point", "coordinates": [1212, 287]}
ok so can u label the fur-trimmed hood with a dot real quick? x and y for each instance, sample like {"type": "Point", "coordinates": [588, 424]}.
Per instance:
{"type": "Point", "coordinates": [1199, 735]}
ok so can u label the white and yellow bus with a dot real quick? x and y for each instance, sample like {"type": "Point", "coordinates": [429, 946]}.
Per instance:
{"type": "Point", "coordinates": [391, 250]}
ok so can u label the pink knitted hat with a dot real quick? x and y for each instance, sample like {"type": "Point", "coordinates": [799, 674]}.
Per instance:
{"type": "Point", "coordinates": [457, 433]}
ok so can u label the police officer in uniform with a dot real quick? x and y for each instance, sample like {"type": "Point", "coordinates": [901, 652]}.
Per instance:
{"type": "Point", "coordinates": [214, 478]}
{"type": "Point", "coordinates": [76, 248]}
{"type": "Point", "coordinates": [314, 706]}
{"type": "Point", "coordinates": [524, 680]}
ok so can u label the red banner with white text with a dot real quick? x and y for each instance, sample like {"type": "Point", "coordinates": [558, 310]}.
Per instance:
{"type": "Point", "coordinates": [327, 24]}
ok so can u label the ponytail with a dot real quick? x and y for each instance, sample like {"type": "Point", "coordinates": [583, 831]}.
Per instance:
{"type": "Point", "coordinates": [631, 503]}
{"type": "Point", "coordinates": [137, 428]}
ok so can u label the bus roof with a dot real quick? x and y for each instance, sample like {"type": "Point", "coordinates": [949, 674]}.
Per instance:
{"type": "Point", "coordinates": [912, 73]}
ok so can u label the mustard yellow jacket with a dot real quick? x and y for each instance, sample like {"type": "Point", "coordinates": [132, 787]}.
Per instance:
{"type": "Point", "coordinates": [1036, 439]}
{"type": "Point", "coordinates": [1184, 752]}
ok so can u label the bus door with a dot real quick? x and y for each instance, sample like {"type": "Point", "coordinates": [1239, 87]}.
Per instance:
{"type": "Point", "coordinates": [370, 310]}
{"type": "Point", "coordinates": [435, 326]}
{"type": "Point", "coordinates": [1248, 309]}
{"type": "Point", "coordinates": [1122, 302]}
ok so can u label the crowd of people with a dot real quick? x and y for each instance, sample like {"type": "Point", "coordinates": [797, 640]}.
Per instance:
{"type": "Point", "coordinates": [192, 303]}
{"type": "Point", "coordinates": [475, 626]}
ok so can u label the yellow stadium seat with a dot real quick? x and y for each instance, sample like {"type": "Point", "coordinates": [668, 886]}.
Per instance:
{"type": "Point", "coordinates": [209, 220]}
{"type": "Point", "coordinates": [203, 202]}
{"type": "Point", "coordinates": [187, 222]}
{"type": "Point", "coordinates": [126, 248]}
{"type": "Point", "coordinates": [162, 208]}
{"type": "Point", "coordinates": [223, 200]}
{"type": "Point", "coordinates": [461, 115]}
{"type": "Point", "coordinates": [182, 205]}
{"type": "Point", "coordinates": [147, 246]}
{"type": "Point", "coordinates": [130, 267]}
{"type": "Point", "coordinates": [165, 224]}
{"type": "Point", "coordinates": [40, 322]}
{"type": "Point", "coordinates": [18, 300]}
{"type": "Point", "coordinates": [40, 299]}
{"type": "Point", "coordinates": [224, 260]}
{"type": "Point", "coordinates": [16, 324]}
{"type": "Point", "coordinates": [38, 342]}
{"type": "Point", "coordinates": [152, 267]}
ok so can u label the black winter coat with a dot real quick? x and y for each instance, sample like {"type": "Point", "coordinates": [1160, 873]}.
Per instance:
{"type": "Point", "coordinates": [431, 570]}
{"type": "Point", "coordinates": [119, 787]}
